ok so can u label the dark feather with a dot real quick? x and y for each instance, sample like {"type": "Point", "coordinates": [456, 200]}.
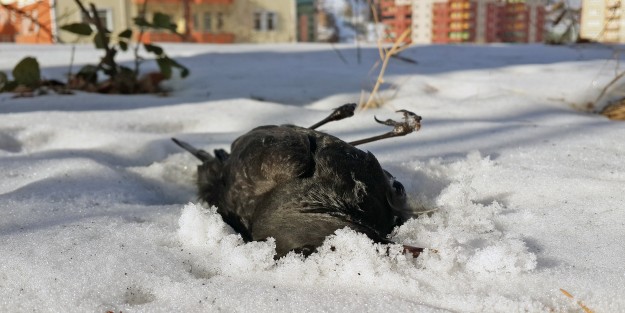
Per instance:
{"type": "Point", "coordinates": [298, 186]}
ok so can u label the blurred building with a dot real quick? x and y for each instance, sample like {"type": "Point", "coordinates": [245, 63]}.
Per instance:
{"type": "Point", "coordinates": [306, 20]}
{"type": "Point", "coordinates": [202, 21]}
{"type": "Point", "coordinates": [38, 21]}
{"type": "Point", "coordinates": [199, 21]}
{"type": "Point", "coordinates": [225, 21]}
{"type": "Point", "coordinates": [327, 28]}
{"type": "Point", "coordinates": [396, 15]}
{"type": "Point", "coordinates": [456, 21]}
{"type": "Point", "coordinates": [512, 21]}
{"type": "Point", "coordinates": [603, 20]}
{"type": "Point", "coordinates": [480, 21]}
{"type": "Point", "coordinates": [27, 21]}
{"type": "Point", "coordinates": [115, 15]}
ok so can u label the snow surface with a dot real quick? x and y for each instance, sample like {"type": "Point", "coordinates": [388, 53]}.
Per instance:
{"type": "Point", "coordinates": [99, 210]}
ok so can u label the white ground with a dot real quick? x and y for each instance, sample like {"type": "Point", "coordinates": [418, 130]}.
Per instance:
{"type": "Point", "coordinates": [98, 209]}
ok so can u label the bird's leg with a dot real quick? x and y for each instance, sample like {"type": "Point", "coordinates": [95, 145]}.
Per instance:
{"type": "Point", "coordinates": [412, 122]}
{"type": "Point", "coordinates": [344, 111]}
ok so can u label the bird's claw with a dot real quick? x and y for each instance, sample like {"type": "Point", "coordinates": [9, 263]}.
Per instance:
{"type": "Point", "coordinates": [412, 122]}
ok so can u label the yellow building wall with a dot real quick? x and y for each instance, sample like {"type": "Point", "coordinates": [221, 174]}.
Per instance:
{"type": "Point", "coordinates": [242, 21]}
{"type": "Point", "coordinates": [238, 18]}
{"type": "Point", "coordinates": [120, 17]}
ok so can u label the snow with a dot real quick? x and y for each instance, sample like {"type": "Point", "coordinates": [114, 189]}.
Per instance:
{"type": "Point", "coordinates": [99, 211]}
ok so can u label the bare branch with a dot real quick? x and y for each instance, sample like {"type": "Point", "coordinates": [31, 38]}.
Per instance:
{"type": "Point", "coordinates": [29, 17]}
{"type": "Point", "coordinates": [138, 58]}
{"type": "Point", "coordinates": [396, 48]}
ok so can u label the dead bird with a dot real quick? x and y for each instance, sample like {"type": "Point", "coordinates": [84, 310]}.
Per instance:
{"type": "Point", "coordinates": [299, 185]}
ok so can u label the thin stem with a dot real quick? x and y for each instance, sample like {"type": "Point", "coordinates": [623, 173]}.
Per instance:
{"type": "Point", "coordinates": [338, 53]}
{"type": "Point", "coordinates": [395, 49]}
{"type": "Point", "coordinates": [71, 63]}
{"type": "Point", "coordinates": [138, 58]}
{"type": "Point", "coordinates": [109, 57]}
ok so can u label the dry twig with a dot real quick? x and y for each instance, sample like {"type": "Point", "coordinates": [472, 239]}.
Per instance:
{"type": "Point", "coordinates": [109, 57]}
{"type": "Point", "coordinates": [579, 302]}
{"type": "Point", "coordinates": [138, 58]}
{"type": "Point", "coordinates": [386, 55]}
{"type": "Point", "coordinates": [29, 17]}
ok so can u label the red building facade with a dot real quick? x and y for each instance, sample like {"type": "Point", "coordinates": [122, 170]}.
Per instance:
{"type": "Point", "coordinates": [454, 21]}
{"type": "Point", "coordinates": [457, 21]}
{"type": "Point", "coordinates": [28, 23]}
{"type": "Point", "coordinates": [396, 17]}
{"type": "Point", "coordinates": [514, 22]}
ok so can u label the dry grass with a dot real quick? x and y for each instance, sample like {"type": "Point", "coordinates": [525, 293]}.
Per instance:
{"type": "Point", "coordinates": [611, 99]}
{"type": "Point", "coordinates": [579, 302]}
{"type": "Point", "coordinates": [615, 111]}
{"type": "Point", "coordinates": [385, 55]}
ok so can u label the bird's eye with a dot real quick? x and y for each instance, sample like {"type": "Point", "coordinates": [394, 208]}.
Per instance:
{"type": "Point", "coordinates": [396, 197]}
{"type": "Point", "coordinates": [399, 188]}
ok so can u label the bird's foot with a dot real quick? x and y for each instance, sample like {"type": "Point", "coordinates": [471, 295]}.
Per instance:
{"type": "Point", "coordinates": [344, 111]}
{"type": "Point", "coordinates": [411, 123]}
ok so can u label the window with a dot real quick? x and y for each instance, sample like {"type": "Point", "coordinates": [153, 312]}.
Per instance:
{"type": "Point", "coordinates": [257, 21]}
{"type": "Point", "coordinates": [270, 20]}
{"type": "Point", "coordinates": [265, 21]}
{"type": "Point", "coordinates": [208, 22]}
{"type": "Point", "coordinates": [220, 21]}
{"type": "Point", "coordinates": [106, 18]}
{"type": "Point", "coordinates": [196, 21]}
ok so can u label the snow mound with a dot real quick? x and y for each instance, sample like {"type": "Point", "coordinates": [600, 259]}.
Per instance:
{"type": "Point", "coordinates": [464, 230]}
{"type": "Point", "coordinates": [348, 258]}
{"type": "Point", "coordinates": [216, 248]}
{"type": "Point", "coordinates": [345, 257]}
{"type": "Point", "coordinates": [468, 246]}
{"type": "Point", "coordinates": [92, 188]}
